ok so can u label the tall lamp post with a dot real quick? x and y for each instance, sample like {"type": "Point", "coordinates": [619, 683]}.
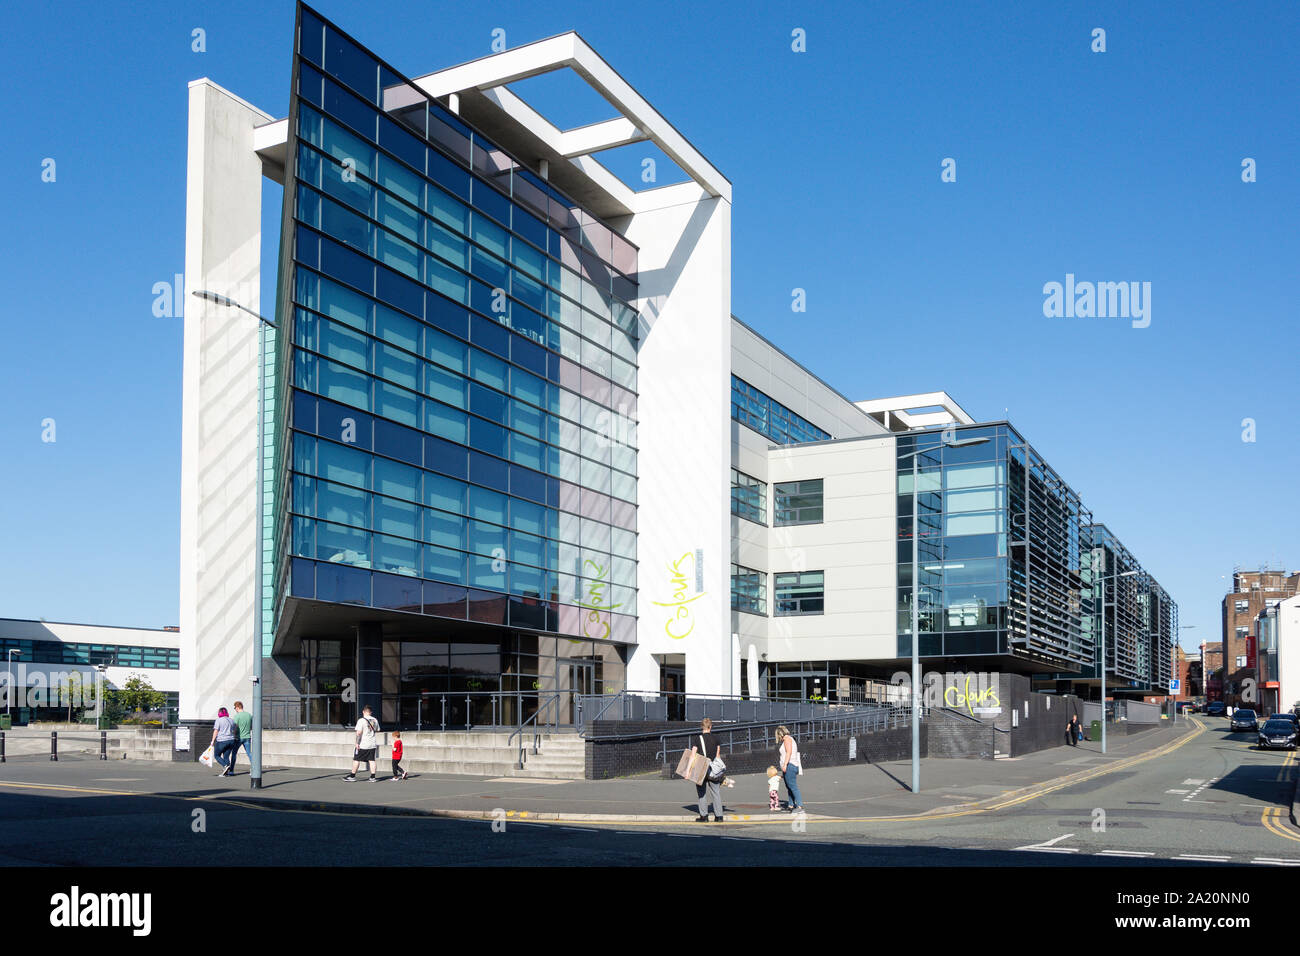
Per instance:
{"type": "Point", "coordinates": [916, 593]}
{"type": "Point", "coordinates": [9, 691]}
{"type": "Point", "coordinates": [1104, 579]}
{"type": "Point", "coordinates": [1181, 689]}
{"type": "Point", "coordinates": [255, 749]}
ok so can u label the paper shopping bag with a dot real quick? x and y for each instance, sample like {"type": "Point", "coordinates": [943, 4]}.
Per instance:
{"type": "Point", "coordinates": [205, 758]}
{"type": "Point", "coordinates": [692, 766]}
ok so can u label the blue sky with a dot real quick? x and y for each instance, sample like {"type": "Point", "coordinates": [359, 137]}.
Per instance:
{"type": "Point", "coordinates": [1115, 166]}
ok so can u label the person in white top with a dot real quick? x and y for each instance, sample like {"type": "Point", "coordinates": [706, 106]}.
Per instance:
{"type": "Point", "coordinates": [791, 766]}
{"type": "Point", "coordinates": [367, 746]}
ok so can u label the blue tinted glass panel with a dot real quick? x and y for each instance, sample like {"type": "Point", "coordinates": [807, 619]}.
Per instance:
{"type": "Point", "coordinates": [446, 351]}
{"type": "Point", "coordinates": [445, 386]}
{"type": "Point", "coordinates": [444, 529]}
{"type": "Point", "coordinates": [351, 65]}
{"type": "Point", "coordinates": [399, 291]}
{"type": "Point", "coordinates": [445, 422]}
{"type": "Point", "coordinates": [445, 493]}
{"type": "Point", "coordinates": [491, 472]}
{"type": "Point", "coordinates": [342, 504]}
{"type": "Point", "coordinates": [342, 105]}
{"type": "Point", "coordinates": [446, 315]}
{"type": "Point", "coordinates": [342, 585]}
{"type": "Point", "coordinates": [396, 517]}
{"type": "Point", "coordinates": [445, 457]}
{"type": "Point", "coordinates": [397, 441]}
{"type": "Point", "coordinates": [396, 479]}
{"type": "Point", "coordinates": [343, 424]}
{"type": "Point", "coordinates": [446, 173]}
{"type": "Point", "coordinates": [340, 463]}
{"type": "Point", "coordinates": [487, 436]}
{"type": "Point", "coordinates": [346, 265]}
{"type": "Point", "coordinates": [442, 564]}
{"type": "Point", "coordinates": [311, 37]}
{"type": "Point", "coordinates": [344, 384]}
{"type": "Point", "coordinates": [487, 505]}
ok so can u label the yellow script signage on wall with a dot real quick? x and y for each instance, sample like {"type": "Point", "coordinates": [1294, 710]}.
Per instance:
{"type": "Point", "coordinates": [597, 609]}
{"type": "Point", "coordinates": [956, 697]}
{"type": "Point", "coordinates": [684, 575]}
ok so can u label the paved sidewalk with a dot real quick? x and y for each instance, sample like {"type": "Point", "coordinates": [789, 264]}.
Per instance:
{"type": "Point", "coordinates": [861, 791]}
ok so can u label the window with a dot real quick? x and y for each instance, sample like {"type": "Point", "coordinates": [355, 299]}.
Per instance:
{"type": "Point", "coordinates": [751, 407]}
{"type": "Point", "coordinates": [748, 497]}
{"type": "Point", "coordinates": [748, 590]}
{"type": "Point", "coordinates": [799, 502]}
{"type": "Point", "coordinates": [800, 592]}
{"type": "Point", "coordinates": [1242, 633]}
{"type": "Point", "coordinates": [1242, 606]}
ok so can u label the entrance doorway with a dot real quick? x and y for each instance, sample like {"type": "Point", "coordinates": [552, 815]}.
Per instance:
{"type": "Point", "coordinates": [672, 685]}
{"type": "Point", "coordinates": [579, 678]}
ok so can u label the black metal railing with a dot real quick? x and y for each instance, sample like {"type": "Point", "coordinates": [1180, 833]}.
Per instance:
{"type": "Point", "coordinates": [746, 737]}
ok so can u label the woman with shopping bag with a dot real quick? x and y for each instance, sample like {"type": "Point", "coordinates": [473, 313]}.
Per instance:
{"type": "Point", "coordinates": [710, 788]}
{"type": "Point", "coordinates": [225, 742]}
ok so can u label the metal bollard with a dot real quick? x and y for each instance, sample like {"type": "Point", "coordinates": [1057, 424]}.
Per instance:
{"type": "Point", "coordinates": [103, 745]}
{"type": "Point", "coordinates": [54, 745]}
{"type": "Point", "coordinates": [2, 746]}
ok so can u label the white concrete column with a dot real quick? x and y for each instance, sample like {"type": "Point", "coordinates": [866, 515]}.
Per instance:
{"type": "Point", "coordinates": [684, 456]}
{"type": "Point", "coordinates": [223, 209]}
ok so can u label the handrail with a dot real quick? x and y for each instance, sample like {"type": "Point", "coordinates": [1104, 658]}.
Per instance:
{"type": "Point", "coordinates": [554, 696]}
{"type": "Point", "coordinates": [957, 713]}
{"type": "Point", "coordinates": [871, 717]}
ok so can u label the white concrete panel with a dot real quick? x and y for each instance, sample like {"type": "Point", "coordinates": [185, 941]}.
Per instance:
{"type": "Point", "coordinates": [685, 462]}
{"type": "Point", "coordinates": [219, 403]}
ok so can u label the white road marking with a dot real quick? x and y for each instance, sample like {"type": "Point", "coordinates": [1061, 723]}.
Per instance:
{"type": "Point", "coordinates": [1126, 853]}
{"type": "Point", "coordinates": [1193, 781]}
{"type": "Point", "coordinates": [1178, 791]}
{"type": "Point", "coordinates": [580, 829]}
{"type": "Point", "coordinates": [1202, 856]}
{"type": "Point", "coordinates": [1275, 862]}
{"type": "Point", "coordinates": [1049, 847]}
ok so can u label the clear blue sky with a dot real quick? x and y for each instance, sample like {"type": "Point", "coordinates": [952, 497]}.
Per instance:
{"type": "Point", "coordinates": [1123, 165]}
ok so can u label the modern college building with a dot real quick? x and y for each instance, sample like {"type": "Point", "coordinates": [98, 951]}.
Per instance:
{"type": "Point", "coordinates": [516, 444]}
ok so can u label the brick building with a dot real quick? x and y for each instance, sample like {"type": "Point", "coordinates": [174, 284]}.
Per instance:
{"type": "Point", "coordinates": [1252, 592]}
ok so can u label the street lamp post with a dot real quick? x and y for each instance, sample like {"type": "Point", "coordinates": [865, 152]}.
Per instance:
{"type": "Point", "coordinates": [1104, 579]}
{"type": "Point", "coordinates": [916, 593]}
{"type": "Point", "coordinates": [255, 748]}
{"type": "Point", "coordinates": [1181, 689]}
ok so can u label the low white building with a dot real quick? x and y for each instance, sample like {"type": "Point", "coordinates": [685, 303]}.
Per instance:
{"type": "Point", "coordinates": [41, 657]}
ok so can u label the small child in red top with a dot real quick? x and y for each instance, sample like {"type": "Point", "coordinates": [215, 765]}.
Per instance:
{"type": "Point", "coordinates": [398, 772]}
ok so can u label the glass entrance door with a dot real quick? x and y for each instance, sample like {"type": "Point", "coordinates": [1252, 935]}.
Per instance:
{"type": "Point", "coordinates": [577, 678]}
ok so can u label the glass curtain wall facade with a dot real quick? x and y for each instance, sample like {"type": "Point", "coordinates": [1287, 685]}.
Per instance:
{"type": "Point", "coordinates": [458, 440]}
{"type": "Point", "coordinates": [998, 533]}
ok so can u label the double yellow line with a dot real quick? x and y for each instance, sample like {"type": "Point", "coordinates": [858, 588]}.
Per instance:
{"type": "Point", "coordinates": [1277, 820]}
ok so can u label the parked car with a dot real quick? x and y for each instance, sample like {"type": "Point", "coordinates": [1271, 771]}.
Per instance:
{"type": "Point", "coordinates": [1294, 719]}
{"type": "Point", "coordinates": [1216, 708]}
{"type": "Point", "coordinates": [1278, 732]}
{"type": "Point", "coordinates": [1243, 718]}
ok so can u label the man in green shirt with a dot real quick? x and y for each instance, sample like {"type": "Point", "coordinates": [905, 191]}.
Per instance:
{"type": "Point", "coordinates": [244, 721]}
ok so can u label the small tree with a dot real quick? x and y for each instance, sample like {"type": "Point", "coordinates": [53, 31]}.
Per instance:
{"type": "Point", "coordinates": [71, 693]}
{"type": "Point", "coordinates": [138, 696]}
